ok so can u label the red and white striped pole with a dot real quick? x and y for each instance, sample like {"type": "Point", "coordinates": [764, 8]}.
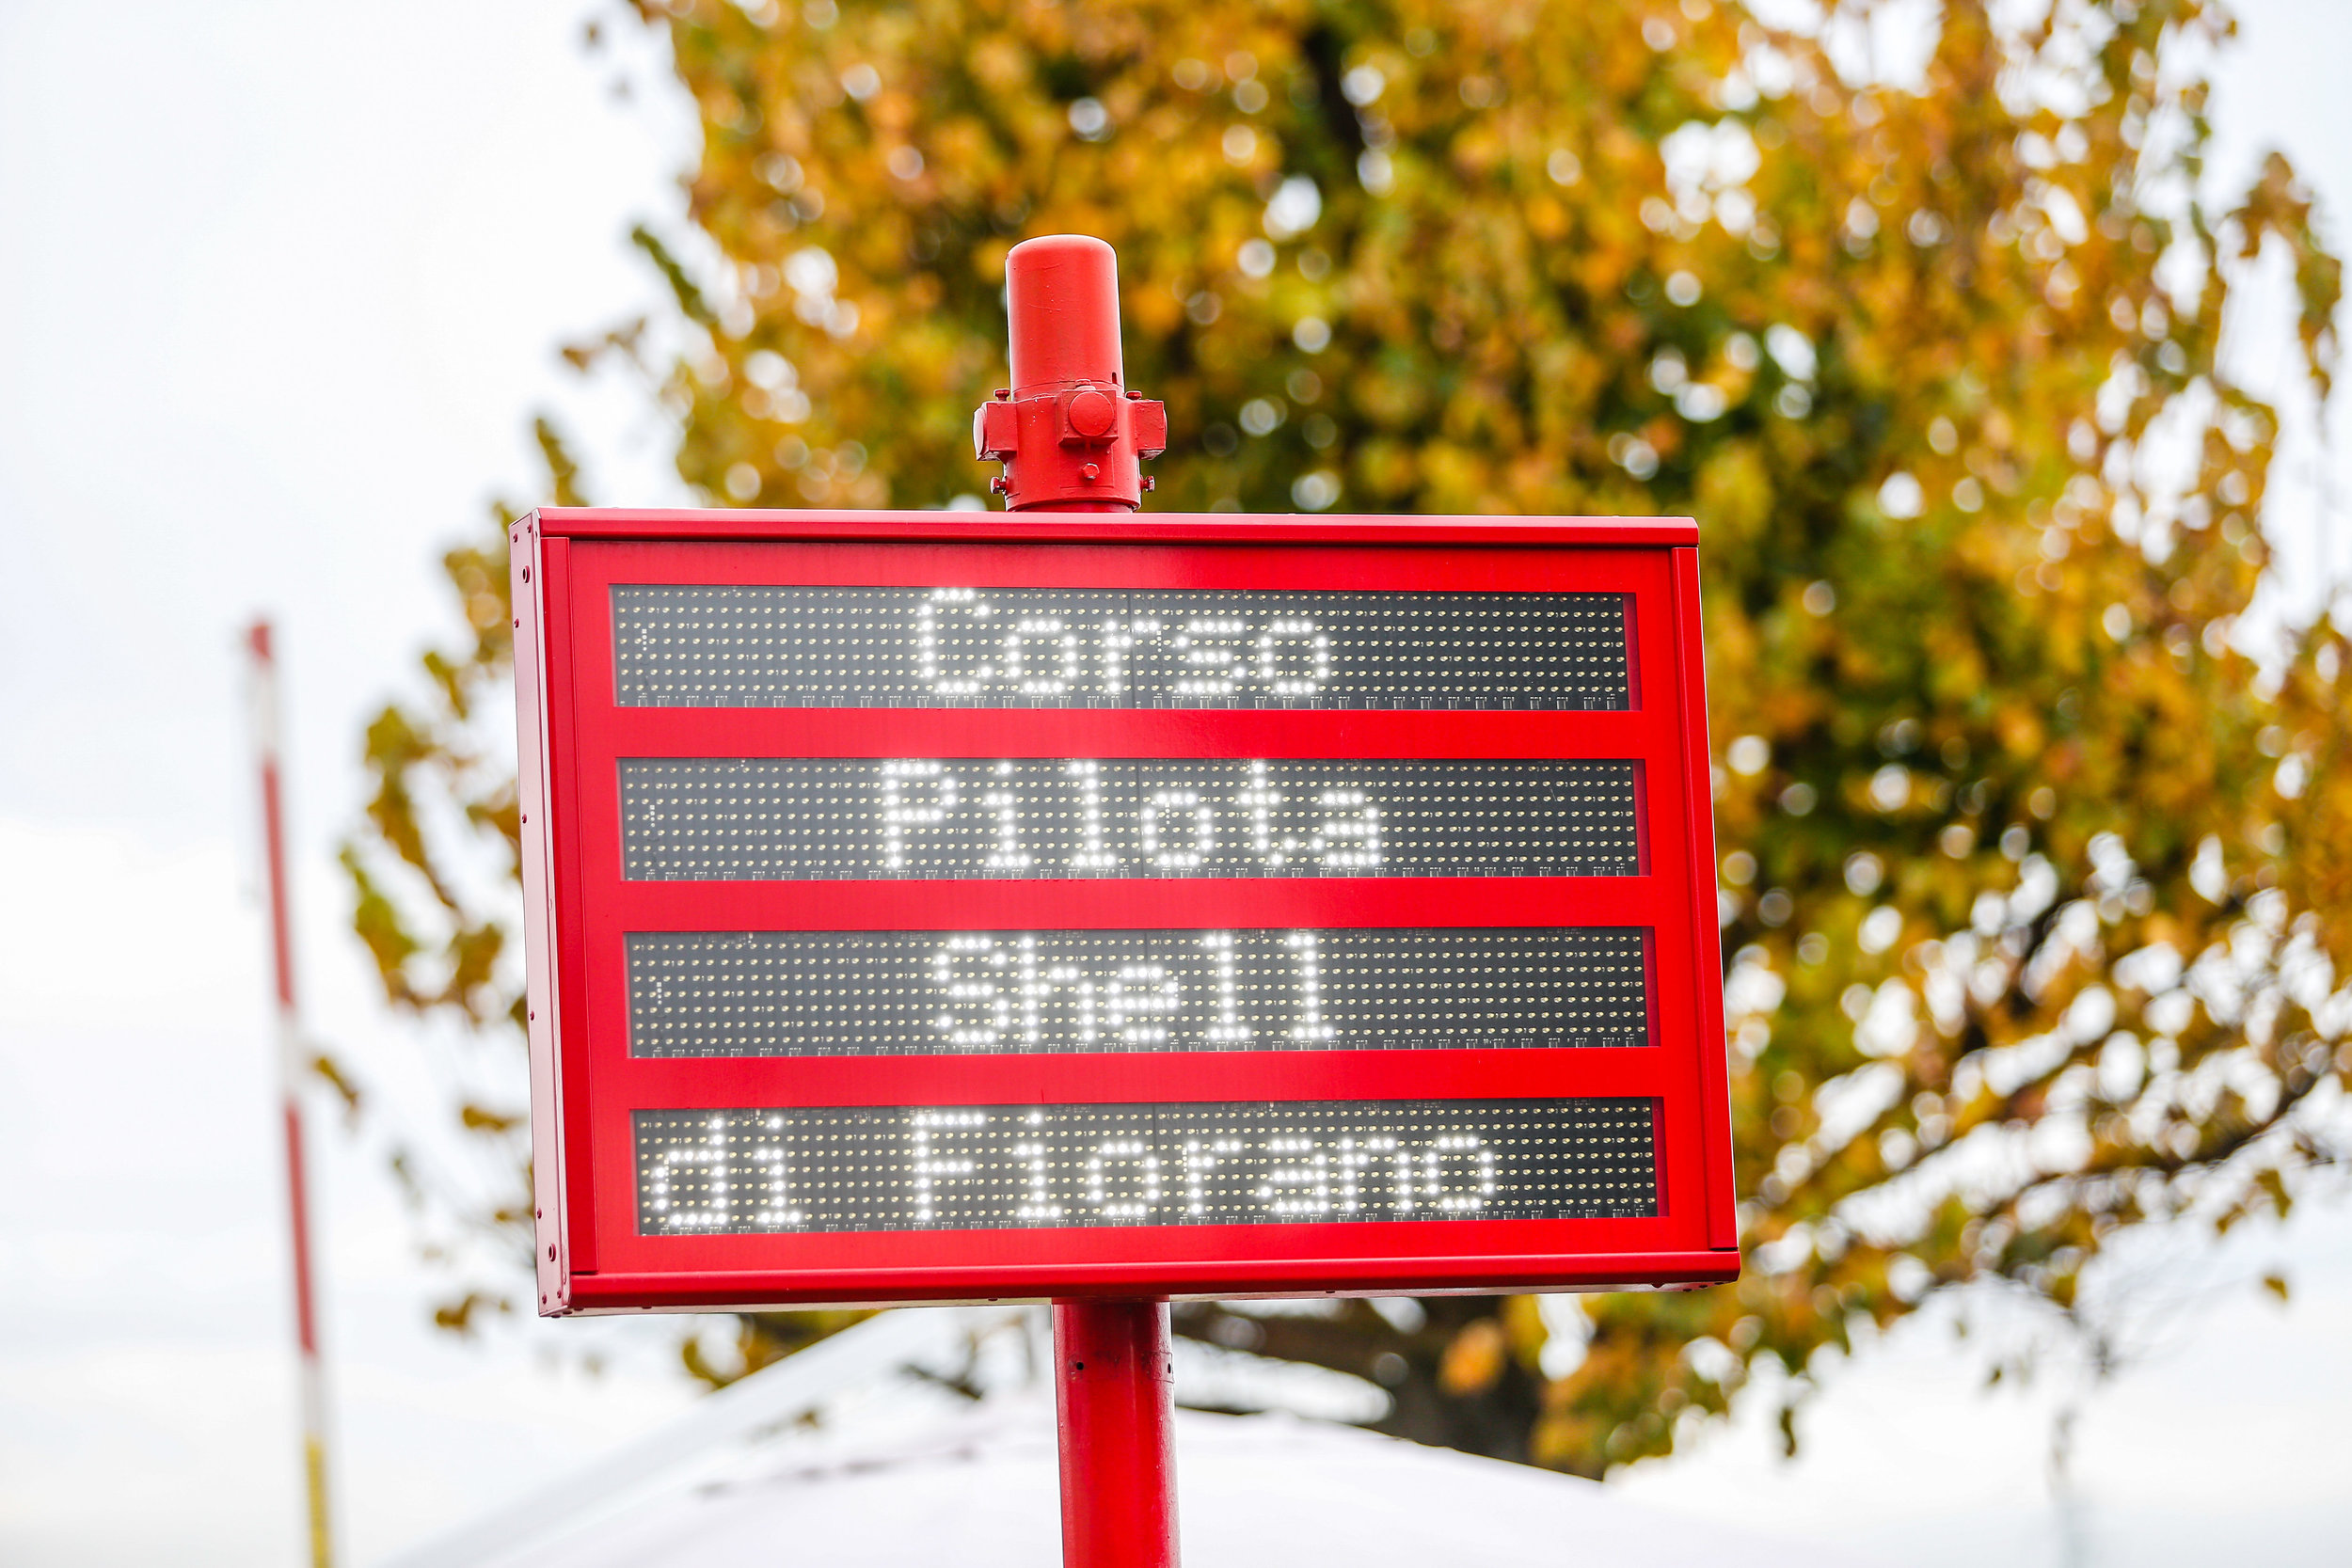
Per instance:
{"type": "Point", "coordinates": [291, 1069]}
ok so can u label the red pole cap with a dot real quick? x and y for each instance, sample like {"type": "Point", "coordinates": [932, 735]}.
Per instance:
{"type": "Point", "coordinates": [1069, 433]}
{"type": "Point", "coordinates": [1062, 297]}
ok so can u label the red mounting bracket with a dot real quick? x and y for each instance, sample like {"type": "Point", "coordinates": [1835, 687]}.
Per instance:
{"type": "Point", "coordinates": [1070, 434]}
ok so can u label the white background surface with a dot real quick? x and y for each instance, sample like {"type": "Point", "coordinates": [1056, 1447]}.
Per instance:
{"type": "Point", "coordinates": [278, 287]}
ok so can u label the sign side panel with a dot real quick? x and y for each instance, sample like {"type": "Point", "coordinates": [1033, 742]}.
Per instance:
{"type": "Point", "coordinates": [526, 579]}
{"type": "Point", "coordinates": [561, 684]}
{"type": "Point", "coordinates": [1722, 1224]}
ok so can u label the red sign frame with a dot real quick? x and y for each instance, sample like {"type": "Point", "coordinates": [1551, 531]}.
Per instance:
{"type": "Point", "coordinates": [586, 1086]}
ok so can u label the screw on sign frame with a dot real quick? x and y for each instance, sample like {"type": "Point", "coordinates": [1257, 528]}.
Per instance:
{"type": "Point", "coordinates": [1080, 906]}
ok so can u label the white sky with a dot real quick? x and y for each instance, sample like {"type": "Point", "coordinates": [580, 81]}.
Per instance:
{"type": "Point", "coordinates": [279, 286]}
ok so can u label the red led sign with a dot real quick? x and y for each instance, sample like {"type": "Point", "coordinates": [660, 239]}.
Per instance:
{"type": "Point", "coordinates": [928, 907]}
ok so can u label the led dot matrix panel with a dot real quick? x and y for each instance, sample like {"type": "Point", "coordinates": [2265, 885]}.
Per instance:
{"type": "Point", "coordinates": [877, 1167]}
{"type": "Point", "coordinates": [1114, 648]}
{"type": "Point", "coordinates": [700, 820]}
{"type": "Point", "coordinates": [867, 993]}
{"type": "Point", "coordinates": [929, 909]}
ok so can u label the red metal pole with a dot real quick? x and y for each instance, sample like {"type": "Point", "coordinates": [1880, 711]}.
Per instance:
{"type": "Point", "coordinates": [1115, 1402]}
{"type": "Point", "coordinates": [291, 1068]}
{"type": "Point", "coordinates": [1071, 435]}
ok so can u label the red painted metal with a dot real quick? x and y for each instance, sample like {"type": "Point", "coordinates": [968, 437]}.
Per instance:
{"type": "Point", "coordinates": [292, 1068]}
{"type": "Point", "coordinates": [1062, 302]}
{"type": "Point", "coordinates": [570, 892]}
{"type": "Point", "coordinates": [1479, 1268]}
{"type": "Point", "coordinates": [748, 525]}
{"type": "Point", "coordinates": [588, 1217]}
{"type": "Point", "coordinates": [1723, 1220]}
{"type": "Point", "coordinates": [1115, 1409]}
{"type": "Point", "coordinates": [1069, 431]}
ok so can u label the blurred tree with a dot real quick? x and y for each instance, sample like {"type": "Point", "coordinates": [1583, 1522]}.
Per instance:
{"type": "Point", "coordinates": [2034, 884]}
